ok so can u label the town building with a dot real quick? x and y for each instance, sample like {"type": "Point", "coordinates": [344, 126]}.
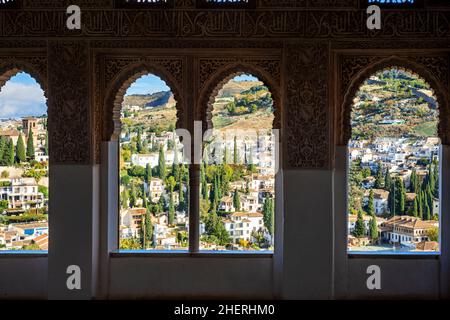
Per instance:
{"type": "Point", "coordinates": [21, 193]}
{"type": "Point", "coordinates": [241, 225]}
{"type": "Point", "coordinates": [406, 230]}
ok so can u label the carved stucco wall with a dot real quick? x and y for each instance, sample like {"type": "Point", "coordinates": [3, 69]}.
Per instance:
{"type": "Point", "coordinates": [323, 54]}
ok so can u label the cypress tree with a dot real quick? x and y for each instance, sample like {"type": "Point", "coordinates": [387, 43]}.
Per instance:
{"type": "Point", "coordinates": [124, 199]}
{"type": "Point", "coordinates": [2, 149]}
{"type": "Point", "coordinates": [46, 144]}
{"type": "Point", "coordinates": [225, 155]}
{"type": "Point", "coordinates": [387, 181]}
{"type": "Point", "coordinates": [148, 229]}
{"type": "Point", "coordinates": [203, 183]}
{"type": "Point", "coordinates": [162, 163]}
{"type": "Point", "coordinates": [379, 177]}
{"type": "Point", "coordinates": [373, 228]}
{"type": "Point", "coordinates": [8, 153]}
{"type": "Point", "coordinates": [171, 209]}
{"type": "Point", "coordinates": [391, 199]}
{"type": "Point", "coordinates": [402, 196]}
{"type": "Point", "coordinates": [436, 178]}
{"type": "Point", "coordinates": [236, 201]}
{"type": "Point", "coordinates": [268, 214]}
{"type": "Point", "coordinates": [30, 145]}
{"type": "Point", "coordinates": [148, 174]}
{"type": "Point", "coordinates": [360, 228]}
{"type": "Point", "coordinates": [181, 205]}
{"type": "Point", "coordinates": [420, 203]}
{"type": "Point", "coordinates": [415, 211]}
{"type": "Point", "coordinates": [139, 147]}
{"type": "Point", "coordinates": [430, 196]}
{"type": "Point", "coordinates": [20, 150]}
{"type": "Point", "coordinates": [144, 198]}
{"type": "Point", "coordinates": [251, 167]}
{"type": "Point", "coordinates": [427, 214]}
{"type": "Point", "coordinates": [431, 180]}
{"type": "Point", "coordinates": [414, 181]}
{"type": "Point", "coordinates": [132, 197]}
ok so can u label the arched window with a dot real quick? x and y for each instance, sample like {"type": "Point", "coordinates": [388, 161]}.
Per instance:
{"type": "Point", "coordinates": [237, 178]}
{"type": "Point", "coordinates": [394, 160]}
{"type": "Point", "coordinates": [23, 165]}
{"type": "Point", "coordinates": [154, 181]}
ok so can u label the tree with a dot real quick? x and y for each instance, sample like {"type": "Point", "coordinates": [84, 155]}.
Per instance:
{"type": "Point", "coordinates": [360, 227]}
{"type": "Point", "coordinates": [30, 145]}
{"type": "Point", "coordinates": [176, 171]}
{"type": "Point", "coordinates": [225, 155]}
{"type": "Point", "coordinates": [130, 244]}
{"type": "Point", "coordinates": [415, 210]}
{"type": "Point", "coordinates": [250, 166]}
{"type": "Point", "coordinates": [236, 201]}
{"type": "Point", "coordinates": [132, 197]}
{"type": "Point", "coordinates": [397, 197]}
{"type": "Point", "coordinates": [268, 214]}
{"type": "Point", "coordinates": [171, 216]}
{"type": "Point", "coordinates": [420, 204]}
{"type": "Point", "coordinates": [148, 230]}
{"type": "Point", "coordinates": [124, 199]}
{"type": "Point", "coordinates": [436, 178]}
{"type": "Point", "coordinates": [373, 228]}
{"type": "Point", "coordinates": [414, 181]}
{"type": "Point", "coordinates": [171, 185]}
{"type": "Point", "coordinates": [379, 177]}
{"type": "Point", "coordinates": [46, 144]}
{"type": "Point", "coordinates": [387, 181]}
{"type": "Point", "coordinates": [148, 174]}
{"type": "Point", "coordinates": [402, 196]}
{"type": "Point", "coordinates": [20, 150]}
{"type": "Point", "coordinates": [3, 205]}
{"type": "Point", "coordinates": [427, 212]}
{"type": "Point", "coordinates": [204, 184]}
{"type": "Point", "coordinates": [181, 205]}
{"type": "Point", "coordinates": [215, 227]}
{"type": "Point", "coordinates": [161, 163]}
{"type": "Point", "coordinates": [371, 204]}
{"type": "Point", "coordinates": [139, 146]}
{"type": "Point", "coordinates": [433, 234]}
{"type": "Point", "coordinates": [8, 153]}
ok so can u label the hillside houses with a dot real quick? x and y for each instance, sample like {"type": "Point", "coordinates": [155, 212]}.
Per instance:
{"type": "Point", "coordinates": [405, 230]}
{"type": "Point", "coordinates": [242, 225]}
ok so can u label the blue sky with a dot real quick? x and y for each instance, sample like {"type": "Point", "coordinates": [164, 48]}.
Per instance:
{"type": "Point", "coordinates": [245, 77]}
{"type": "Point", "coordinates": [22, 96]}
{"type": "Point", "coordinates": [147, 84]}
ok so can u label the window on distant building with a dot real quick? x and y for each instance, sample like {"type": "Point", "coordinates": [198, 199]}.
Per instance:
{"type": "Point", "coordinates": [237, 178]}
{"type": "Point", "coordinates": [23, 165]}
{"type": "Point", "coordinates": [394, 160]}
{"type": "Point", "coordinates": [154, 181]}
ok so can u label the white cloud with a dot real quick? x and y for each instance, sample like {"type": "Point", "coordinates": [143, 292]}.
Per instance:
{"type": "Point", "coordinates": [20, 100]}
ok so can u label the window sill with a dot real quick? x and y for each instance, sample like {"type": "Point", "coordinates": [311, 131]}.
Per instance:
{"type": "Point", "coordinates": [201, 254]}
{"type": "Point", "coordinates": [23, 254]}
{"type": "Point", "coordinates": [396, 256]}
